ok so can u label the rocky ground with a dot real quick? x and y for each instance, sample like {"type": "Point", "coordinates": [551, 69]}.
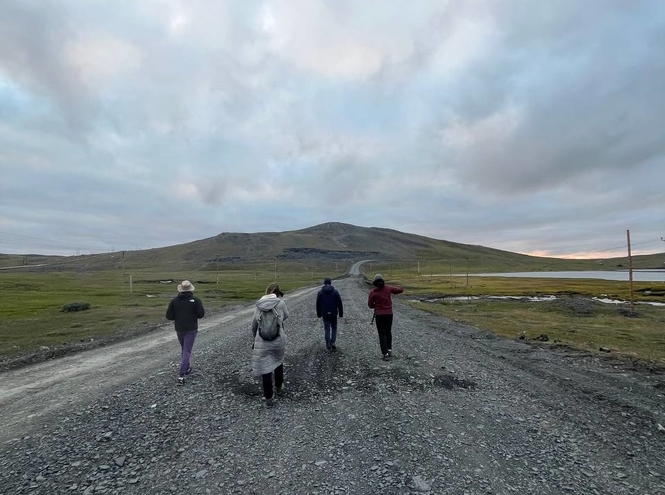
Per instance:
{"type": "Point", "coordinates": [455, 411]}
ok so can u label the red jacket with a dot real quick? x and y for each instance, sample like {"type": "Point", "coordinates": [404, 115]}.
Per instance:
{"type": "Point", "coordinates": [380, 299]}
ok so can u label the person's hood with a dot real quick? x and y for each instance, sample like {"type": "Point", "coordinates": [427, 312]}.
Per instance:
{"type": "Point", "coordinates": [267, 302]}
{"type": "Point", "coordinates": [327, 288]}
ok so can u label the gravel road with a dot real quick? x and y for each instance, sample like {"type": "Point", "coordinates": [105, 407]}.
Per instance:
{"type": "Point", "coordinates": [456, 411]}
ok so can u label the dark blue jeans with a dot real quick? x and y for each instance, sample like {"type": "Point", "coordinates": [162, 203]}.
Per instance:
{"type": "Point", "coordinates": [330, 329]}
{"type": "Point", "coordinates": [186, 340]}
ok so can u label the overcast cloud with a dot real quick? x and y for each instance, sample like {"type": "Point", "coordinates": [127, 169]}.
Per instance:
{"type": "Point", "coordinates": [534, 127]}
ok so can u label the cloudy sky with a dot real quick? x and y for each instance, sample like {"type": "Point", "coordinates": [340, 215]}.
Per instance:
{"type": "Point", "coordinates": [530, 126]}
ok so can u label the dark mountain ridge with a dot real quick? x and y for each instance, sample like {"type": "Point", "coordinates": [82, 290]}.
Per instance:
{"type": "Point", "coordinates": [333, 241]}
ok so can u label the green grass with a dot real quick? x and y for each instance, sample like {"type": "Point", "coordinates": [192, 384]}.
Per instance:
{"type": "Point", "coordinates": [641, 336]}
{"type": "Point", "coordinates": [31, 311]}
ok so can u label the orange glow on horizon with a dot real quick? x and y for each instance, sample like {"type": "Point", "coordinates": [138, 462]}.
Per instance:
{"type": "Point", "coordinates": [589, 255]}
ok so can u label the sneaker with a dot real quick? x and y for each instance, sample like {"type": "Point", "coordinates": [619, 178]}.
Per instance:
{"type": "Point", "coordinates": [333, 347]}
{"type": "Point", "coordinates": [181, 380]}
{"type": "Point", "coordinates": [189, 370]}
{"type": "Point", "coordinates": [386, 357]}
{"type": "Point", "coordinates": [390, 352]}
{"type": "Point", "coordinates": [270, 402]}
{"type": "Point", "coordinates": [279, 390]}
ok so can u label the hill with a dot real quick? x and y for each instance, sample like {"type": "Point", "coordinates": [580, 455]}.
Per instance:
{"type": "Point", "coordinates": [325, 242]}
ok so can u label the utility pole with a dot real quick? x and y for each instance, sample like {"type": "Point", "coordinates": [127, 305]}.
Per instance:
{"type": "Point", "coordinates": [217, 267]}
{"type": "Point", "coordinates": [123, 268]}
{"type": "Point", "coordinates": [630, 273]}
{"type": "Point", "coordinates": [467, 272]}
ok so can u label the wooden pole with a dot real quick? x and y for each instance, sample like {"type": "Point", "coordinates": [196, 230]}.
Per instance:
{"type": "Point", "coordinates": [630, 273]}
{"type": "Point", "coordinates": [467, 272]}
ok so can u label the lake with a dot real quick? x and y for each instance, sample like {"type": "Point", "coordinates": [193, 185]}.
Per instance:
{"type": "Point", "coordinates": [638, 275]}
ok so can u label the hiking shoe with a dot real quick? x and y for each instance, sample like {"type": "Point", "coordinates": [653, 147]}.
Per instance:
{"type": "Point", "coordinates": [279, 390]}
{"type": "Point", "coordinates": [189, 370]}
{"type": "Point", "coordinates": [181, 380]}
{"type": "Point", "coordinates": [270, 402]}
{"type": "Point", "coordinates": [386, 357]}
{"type": "Point", "coordinates": [390, 352]}
{"type": "Point", "coordinates": [333, 347]}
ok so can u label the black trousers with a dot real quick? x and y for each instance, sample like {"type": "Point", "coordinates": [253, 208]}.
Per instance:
{"type": "Point", "coordinates": [384, 325]}
{"type": "Point", "coordinates": [267, 381]}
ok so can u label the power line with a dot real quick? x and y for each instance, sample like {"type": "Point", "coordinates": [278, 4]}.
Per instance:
{"type": "Point", "coordinates": [67, 260]}
{"type": "Point", "coordinates": [623, 246]}
{"type": "Point", "coordinates": [31, 241]}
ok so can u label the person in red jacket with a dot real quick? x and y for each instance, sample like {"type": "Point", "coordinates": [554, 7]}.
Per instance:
{"type": "Point", "coordinates": [380, 300]}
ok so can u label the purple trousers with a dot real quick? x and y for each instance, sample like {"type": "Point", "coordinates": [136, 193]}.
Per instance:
{"type": "Point", "coordinates": [186, 340]}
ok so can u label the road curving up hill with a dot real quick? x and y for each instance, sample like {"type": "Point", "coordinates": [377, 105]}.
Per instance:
{"type": "Point", "coordinates": [455, 411]}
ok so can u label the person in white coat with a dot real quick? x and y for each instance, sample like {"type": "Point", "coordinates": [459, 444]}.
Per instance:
{"type": "Point", "coordinates": [268, 355]}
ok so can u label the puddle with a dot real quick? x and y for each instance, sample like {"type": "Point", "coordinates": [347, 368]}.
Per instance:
{"type": "Point", "coordinates": [477, 298]}
{"type": "Point", "coordinates": [603, 300]}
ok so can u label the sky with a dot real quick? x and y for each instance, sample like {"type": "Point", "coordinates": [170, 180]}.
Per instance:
{"type": "Point", "coordinates": [530, 126]}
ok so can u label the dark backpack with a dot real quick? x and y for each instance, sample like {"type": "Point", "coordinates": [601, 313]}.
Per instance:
{"type": "Point", "coordinates": [270, 323]}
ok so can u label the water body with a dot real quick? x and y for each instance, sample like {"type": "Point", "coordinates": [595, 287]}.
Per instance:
{"type": "Point", "coordinates": [638, 275]}
{"type": "Point", "coordinates": [603, 300]}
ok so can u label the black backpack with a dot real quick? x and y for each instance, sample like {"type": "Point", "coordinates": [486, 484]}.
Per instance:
{"type": "Point", "coordinates": [269, 324]}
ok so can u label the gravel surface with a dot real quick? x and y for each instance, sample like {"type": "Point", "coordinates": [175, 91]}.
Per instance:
{"type": "Point", "coordinates": [455, 411]}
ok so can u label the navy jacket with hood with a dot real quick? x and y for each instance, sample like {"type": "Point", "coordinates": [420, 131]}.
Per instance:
{"type": "Point", "coordinates": [329, 302]}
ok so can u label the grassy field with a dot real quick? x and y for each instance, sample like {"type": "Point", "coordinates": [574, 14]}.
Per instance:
{"type": "Point", "coordinates": [31, 313]}
{"type": "Point", "coordinates": [572, 320]}
{"type": "Point", "coordinates": [596, 326]}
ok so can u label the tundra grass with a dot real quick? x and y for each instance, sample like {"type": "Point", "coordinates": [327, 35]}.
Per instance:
{"type": "Point", "coordinates": [31, 316]}
{"type": "Point", "coordinates": [608, 326]}
{"type": "Point", "coordinates": [641, 336]}
{"type": "Point", "coordinates": [504, 286]}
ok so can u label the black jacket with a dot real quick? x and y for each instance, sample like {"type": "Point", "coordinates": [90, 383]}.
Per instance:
{"type": "Point", "coordinates": [329, 303]}
{"type": "Point", "coordinates": [185, 310]}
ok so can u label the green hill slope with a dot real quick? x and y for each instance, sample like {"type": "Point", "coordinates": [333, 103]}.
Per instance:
{"type": "Point", "coordinates": [326, 242]}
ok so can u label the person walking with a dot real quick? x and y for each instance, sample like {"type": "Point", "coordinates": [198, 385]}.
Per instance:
{"type": "Point", "coordinates": [329, 306]}
{"type": "Point", "coordinates": [269, 341]}
{"type": "Point", "coordinates": [380, 300]}
{"type": "Point", "coordinates": [185, 310]}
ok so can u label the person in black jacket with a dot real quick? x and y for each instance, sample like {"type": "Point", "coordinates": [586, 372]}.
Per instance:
{"type": "Point", "coordinates": [328, 307]}
{"type": "Point", "coordinates": [185, 310]}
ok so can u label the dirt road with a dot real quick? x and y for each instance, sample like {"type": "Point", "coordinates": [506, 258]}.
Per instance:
{"type": "Point", "coordinates": [455, 411]}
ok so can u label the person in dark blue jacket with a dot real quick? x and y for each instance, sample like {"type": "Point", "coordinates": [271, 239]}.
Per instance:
{"type": "Point", "coordinates": [329, 307]}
